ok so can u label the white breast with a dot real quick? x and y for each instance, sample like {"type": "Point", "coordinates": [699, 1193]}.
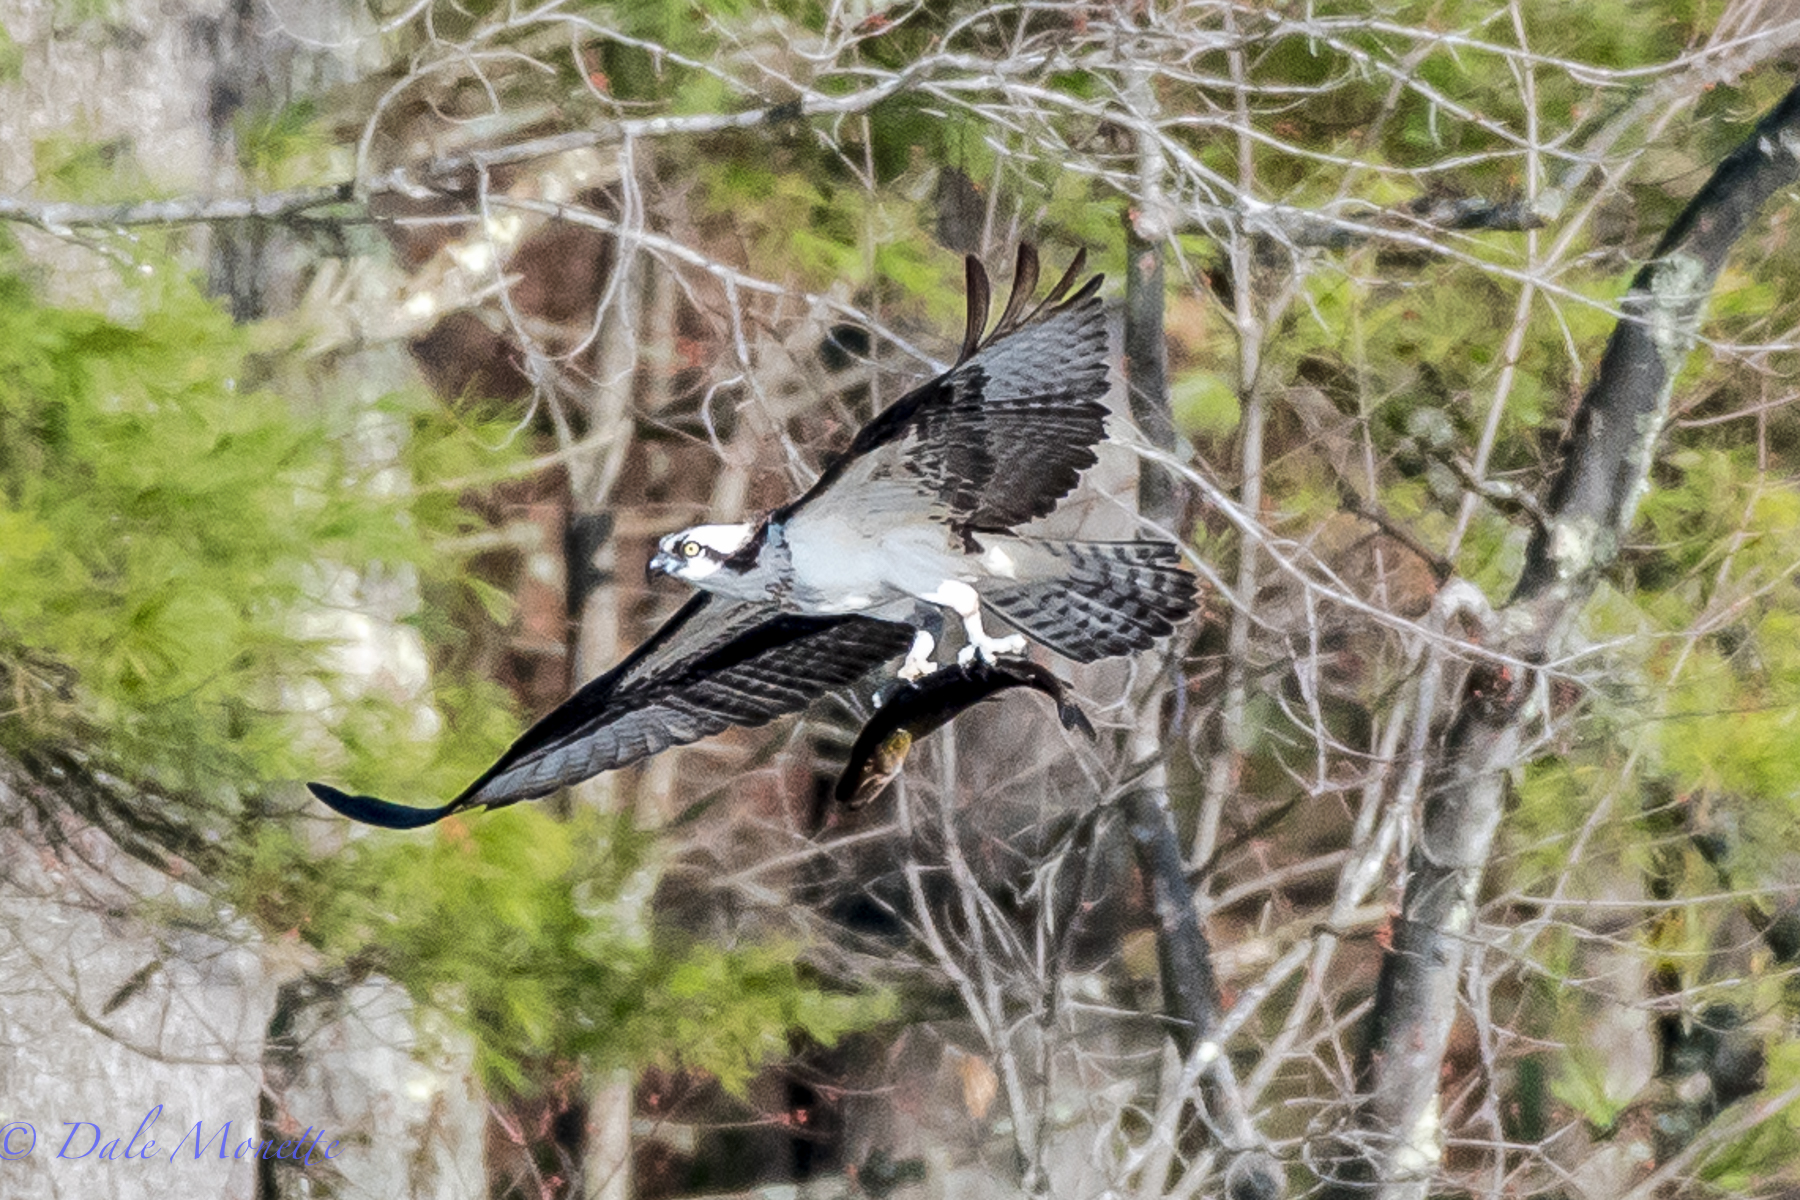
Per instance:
{"type": "Point", "coordinates": [851, 560]}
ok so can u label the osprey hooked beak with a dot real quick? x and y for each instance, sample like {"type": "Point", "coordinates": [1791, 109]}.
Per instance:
{"type": "Point", "coordinates": [660, 563]}
{"type": "Point", "coordinates": [672, 557]}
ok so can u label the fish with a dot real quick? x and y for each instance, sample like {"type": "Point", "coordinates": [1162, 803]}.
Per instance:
{"type": "Point", "coordinates": [918, 708]}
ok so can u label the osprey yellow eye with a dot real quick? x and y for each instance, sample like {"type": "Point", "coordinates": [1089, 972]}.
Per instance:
{"type": "Point", "coordinates": [690, 549]}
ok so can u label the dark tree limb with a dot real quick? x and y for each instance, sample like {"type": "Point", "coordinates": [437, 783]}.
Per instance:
{"type": "Point", "coordinates": [1606, 454]}
{"type": "Point", "coordinates": [1184, 957]}
{"type": "Point", "coordinates": [1303, 229]}
{"type": "Point", "coordinates": [1146, 361]}
{"type": "Point", "coordinates": [1396, 1145]}
{"type": "Point", "coordinates": [1191, 995]}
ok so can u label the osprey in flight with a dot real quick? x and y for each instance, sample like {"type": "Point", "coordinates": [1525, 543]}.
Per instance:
{"type": "Point", "coordinates": [920, 515]}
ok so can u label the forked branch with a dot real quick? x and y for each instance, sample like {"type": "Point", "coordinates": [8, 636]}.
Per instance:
{"type": "Point", "coordinates": [1396, 1143]}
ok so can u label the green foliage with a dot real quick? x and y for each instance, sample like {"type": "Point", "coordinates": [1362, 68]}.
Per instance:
{"type": "Point", "coordinates": [168, 535]}
{"type": "Point", "coordinates": [12, 58]}
{"type": "Point", "coordinates": [533, 935]}
{"type": "Point", "coordinates": [1553, 797]}
{"type": "Point", "coordinates": [817, 234]}
{"type": "Point", "coordinates": [1205, 404]}
{"type": "Point", "coordinates": [165, 531]}
{"type": "Point", "coordinates": [86, 12]}
{"type": "Point", "coordinates": [1773, 1143]}
{"type": "Point", "coordinates": [68, 166]}
{"type": "Point", "coordinates": [1727, 704]}
{"type": "Point", "coordinates": [784, 216]}
{"type": "Point", "coordinates": [283, 147]}
{"type": "Point", "coordinates": [1582, 1085]}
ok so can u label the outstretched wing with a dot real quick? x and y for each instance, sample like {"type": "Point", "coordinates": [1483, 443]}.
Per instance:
{"type": "Point", "coordinates": [714, 664]}
{"type": "Point", "coordinates": [1004, 434]}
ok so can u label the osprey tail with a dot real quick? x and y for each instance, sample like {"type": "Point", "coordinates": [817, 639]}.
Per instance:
{"type": "Point", "coordinates": [1098, 599]}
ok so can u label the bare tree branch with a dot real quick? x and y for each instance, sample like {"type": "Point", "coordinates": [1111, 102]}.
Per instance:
{"type": "Point", "coordinates": [1607, 457]}
{"type": "Point", "coordinates": [1190, 990]}
{"type": "Point", "coordinates": [59, 216]}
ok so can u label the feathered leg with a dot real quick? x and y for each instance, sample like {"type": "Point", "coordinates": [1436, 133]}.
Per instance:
{"type": "Point", "coordinates": [963, 600]}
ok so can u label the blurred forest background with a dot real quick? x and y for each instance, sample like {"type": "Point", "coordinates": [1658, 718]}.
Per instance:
{"type": "Point", "coordinates": [354, 355]}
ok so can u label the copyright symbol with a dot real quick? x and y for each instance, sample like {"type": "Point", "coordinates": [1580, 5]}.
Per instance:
{"type": "Point", "coordinates": [17, 1139]}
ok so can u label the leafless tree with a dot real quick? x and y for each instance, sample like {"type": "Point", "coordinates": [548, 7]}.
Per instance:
{"type": "Point", "coordinates": [1340, 1000]}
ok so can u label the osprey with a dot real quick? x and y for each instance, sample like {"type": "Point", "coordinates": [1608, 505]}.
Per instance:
{"type": "Point", "coordinates": [920, 515]}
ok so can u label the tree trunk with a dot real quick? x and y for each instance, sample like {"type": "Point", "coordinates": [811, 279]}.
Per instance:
{"type": "Point", "coordinates": [1396, 1144]}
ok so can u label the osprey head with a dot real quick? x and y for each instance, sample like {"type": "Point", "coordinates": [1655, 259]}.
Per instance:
{"type": "Point", "coordinates": [693, 554]}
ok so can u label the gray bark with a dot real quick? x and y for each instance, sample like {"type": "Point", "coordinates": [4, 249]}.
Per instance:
{"type": "Point", "coordinates": [1396, 1143]}
{"type": "Point", "coordinates": [1184, 958]}
{"type": "Point", "coordinates": [131, 997]}
{"type": "Point", "coordinates": [115, 1024]}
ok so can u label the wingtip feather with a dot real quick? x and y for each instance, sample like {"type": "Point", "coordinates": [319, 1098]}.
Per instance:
{"type": "Point", "coordinates": [978, 296]}
{"type": "Point", "coordinates": [1054, 301]}
{"type": "Point", "coordinates": [1024, 284]}
{"type": "Point", "coordinates": [371, 810]}
{"type": "Point", "coordinates": [1019, 312]}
